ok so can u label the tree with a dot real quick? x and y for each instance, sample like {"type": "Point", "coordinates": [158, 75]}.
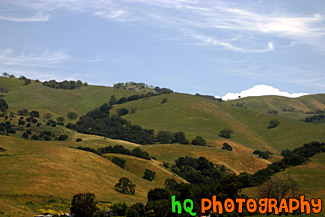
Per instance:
{"type": "Point", "coordinates": [227, 147]}
{"type": "Point", "coordinates": [27, 82]}
{"type": "Point", "coordinates": [34, 114]}
{"type": "Point", "coordinates": [199, 141]}
{"type": "Point", "coordinates": [119, 162]}
{"type": "Point", "coordinates": [179, 137]}
{"type": "Point", "coordinates": [72, 115]}
{"type": "Point", "coordinates": [23, 112]}
{"type": "Point", "coordinates": [83, 205]}
{"type": "Point", "coordinates": [3, 105]}
{"type": "Point", "coordinates": [5, 74]}
{"type": "Point", "coordinates": [273, 123]}
{"type": "Point", "coordinates": [125, 186]}
{"type": "Point", "coordinates": [149, 175]}
{"type": "Point", "coordinates": [3, 149]}
{"type": "Point", "coordinates": [226, 133]}
{"type": "Point", "coordinates": [63, 137]}
{"type": "Point", "coordinates": [113, 100]}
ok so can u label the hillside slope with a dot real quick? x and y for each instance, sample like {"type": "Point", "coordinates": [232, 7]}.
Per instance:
{"type": "Point", "coordinates": [300, 105]}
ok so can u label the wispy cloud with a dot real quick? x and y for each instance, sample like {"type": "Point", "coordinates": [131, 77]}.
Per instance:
{"type": "Point", "coordinates": [46, 59]}
{"type": "Point", "coordinates": [212, 23]}
{"type": "Point", "coordinates": [36, 18]}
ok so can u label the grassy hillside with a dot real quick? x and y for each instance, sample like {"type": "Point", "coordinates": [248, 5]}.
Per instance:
{"type": "Point", "coordinates": [301, 105]}
{"type": "Point", "coordinates": [57, 101]}
{"type": "Point", "coordinates": [199, 116]}
{"type": "Point", "coordinates": [52, 169]}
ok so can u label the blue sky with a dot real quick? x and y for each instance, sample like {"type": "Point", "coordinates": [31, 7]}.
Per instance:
{"type": "Point", "coordinates": [210, 47]}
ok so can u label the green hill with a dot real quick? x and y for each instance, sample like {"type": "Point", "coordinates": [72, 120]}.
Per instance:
{"type": "Point", "coordinates": [294, 108]}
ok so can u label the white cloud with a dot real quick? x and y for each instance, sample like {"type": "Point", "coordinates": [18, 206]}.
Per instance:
{"type": "Point", "coordinates": [260, 90]}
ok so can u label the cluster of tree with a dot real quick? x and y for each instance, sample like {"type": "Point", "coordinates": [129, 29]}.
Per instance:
{"type": "Point", "coordinates": [295, 157]}
{"type": "Point", "coordinates": [125, 186]}
{"type": "Point", "coordinates": [25, 112]}
{"type": "Point", "coordinates": [99, 122]}
{"type": "Point", "coordinates": [72, 115]}
{"type": "Point", "coordinates": [315, 119]}
{"type": "Point", "coordinates": [7, 127]}
{"type": "Point", "coordinates": [167, 137]}
{"type": "Point", "coordinates": [263, 154]}
{"type": "Point", "coordinates": [118, 149]}
{"type": "Point", "coordinates": [141, 86]}
{"type": "Point", "coordinates": [64, 84]}
{"type": "Point", "coordinates": [273, 123]}
{"type": "Point", "coordinates": [3, 105]}
{"type": "Point", "coordinates": [210, 97]}
{"type": "Point", "coordinates": [6, 75]}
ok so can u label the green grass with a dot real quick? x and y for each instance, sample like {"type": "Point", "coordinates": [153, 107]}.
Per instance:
{"type": "Point", "coordinates": [199, 116]}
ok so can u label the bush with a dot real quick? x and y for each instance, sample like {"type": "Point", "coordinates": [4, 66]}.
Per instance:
{"type": "Point", "coordinates": [199, 141]}
{"type": "Point", "coordinates": [119, 162]}
{"type": "Point", "coordinates": [166, 165]}
{"type": "Point", "coordinates": [35, 137]}
{"type": "Point", "coordinates": [226, 133]}
{"type": "Point", "coordinates": [78, 139]}
{"type": "Point", "coordinates": [72, 115]}
{"type": "Point", "coordinates": [164, 100]}
{"type": "Point", "coordinates": [273, 123]}
{"type": "Point", "coordinates": [23, 112]}
{"type": "Point", "coordinates": [3, 105]}
{"type": "Point", "coordinates": [149, 175]}
{"type": "Point", "coordinates": [165, 137]}
{"type": "Point", "coordinates": [83, 204]}
{"type": "Point", "coordinates": [227, 147]}
{"type": "Point", "coordinates": [63, 137]}
{"type": "Point", "coordinates": [120, 208]}
{"type": "Point", "coordinates": [60, 119]}
{"type": "Point", "coordinates": [34, 114]}
{"type": "Point", "coordinates": [25, 135]}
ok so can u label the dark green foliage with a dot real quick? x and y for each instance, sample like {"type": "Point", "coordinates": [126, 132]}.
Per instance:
{"type": "Point", "coordinates": [83, 205]}
{"type": "Point", "coordinates": [21, 122]}
{"type": "Point", "coordinates": [47, 116]}
{"type": "Point", "coordinates": [136, 210]}
{"type": "Point", "coordinates": [22, 77]}
{"type": "Point", "coordinates": [72, 115]}
{"type": "Point", "coordinates": [125, 186]}
{"type": "Point", "coordinates": [2, 149]}
{"type": "Point", "coordinates": [35, 137]}
{"type": "Point", "coordinates": [199, 141]}
{"type": "Point", "coordinates": [63, 137]}
{"type": "Point", "coordinates": [29, 131]}
{"type": "Point", "coordinates": [164, 100]}
{"type": "Point", "coordinates": [272, 112]}
{"type": "Point", "coordinates": [120, 208]}
{"type": "Point", "coordinates": [227, 147]}
{"type": "Point", "coordinates": [34, 114]}
{"type": "Point", "coordinates": [165, 137]}
{"type": "Point", "coordinates": [163, 90]}
{"type": "Point", "coordinates": [60, 119]}
{"type": "Point", "coordinates": [119, 162]}
{"type": "Point", "coordinates": [166, 165]}
{"type": "Point", "coordinates": [100, 213]}
{"type": "Point", "coordinates": [122, 111]}
{"type": "Point", "coordinates": [137, 152]}
{"type": "Point", "coordinates": [158, 194]}
{"type": "Point", "coordinates": [71, 126]}
{"type": "Point", "coordinates": [112, 100]}
{"type": "Point", "coordinates": [63, 85]}
{"type": "Point", "coordinates": [3, 105]}
{"type": "Point", "coordinates": [263, 154]}
{"type": "Point", "coordinates": [209, 97]}
{"type": "Point", "coordinates": [117, 149]}
{"type": "Point", "coordinates": [226, 133]}
{"type": "Point", "coordinates": [149, 175]}
{"type": "Point", "coordinates": [101, 123]}
{"type": "Point", "coordinates": [78, 139]}
{"type": "Point", "coordinates": [89, 150]}
{"type": "Point", "coordinates": [23, 112]}
{"type": "Point", "coordinates": [316, 119]}
{"type": "Point", "coordinates": [25, 135]}
{"type": "Point", "coordinates": [273, 123]}
{"type": "Point", "coordinates": [286, 152]}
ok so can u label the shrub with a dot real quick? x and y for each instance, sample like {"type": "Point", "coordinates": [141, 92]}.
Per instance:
{"type": "Point", "coordinates": [83, 204]}
{"type": "Point", "coordinates": [273, 123]}
{"type": "Point", "coordinates": [226, 133]}
{"type": "Point", "coordinates": [72, 115]}
{"type": "Point", "coordinates": [122, 111]}
{"type": "Point", "coordinates": [34, 114]}
{"type": "Point", "coordinates": [164, 100]}
{"type": "Point", "coordinates": [78, 139]}
{"type": "Point", "coordinates": [35, 137]}
{"type": "Point", "coordinates": [23, 112]}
